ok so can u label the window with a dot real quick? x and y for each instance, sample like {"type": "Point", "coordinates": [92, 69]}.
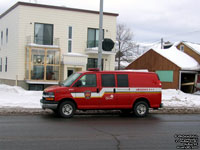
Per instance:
{"type": "Point", "coordinates": [122, 80]}
{"type": "Point", "coordinates": [93, 62]}
{"type": "Point", "coordinates": [42, 64]}
{"type": "Point", "coordinates": [88, 80]}
{"type": "Point", "coordinates": [69, 46]}
{"type": "Point", "coordinates": [182, 48]}
{"type": "Point", "coordinates": [108, 80]}
{"type": "Point", "coordinates": [6, 65]}
{"type": "Point", "coordinates": [36, 87]}
{"type": "Point", "coordinates": [165, 75]}
{"type": "Point", "coordinates": [70, 39]}
{"type": "Point", "coordinates": [6, 35]}
{"type": "Point", "coordinates": [93, 37]}
{"type": "Point", "coordinates": [1, 65]}
{"type": "Point", "coordinates": [1, 37]}
{"type": "Point", "coordinates": [70, 33]}
{"type": "Point", "coordinates": [43, 34]}
{"type": "Point", "coordinates": [68, 82]}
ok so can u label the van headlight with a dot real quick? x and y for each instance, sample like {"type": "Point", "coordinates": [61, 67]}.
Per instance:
{"type": "Point", "coordinates": [49, 96]}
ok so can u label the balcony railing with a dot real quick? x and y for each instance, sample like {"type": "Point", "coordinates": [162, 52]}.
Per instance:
{"type": "Point", "coordinates": [42, 40]}
{"type": "Point", "coordinates": [92, 48]}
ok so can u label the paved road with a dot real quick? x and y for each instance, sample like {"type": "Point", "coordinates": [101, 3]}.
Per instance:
{"type": "Point", "coordinates": [46, 132]}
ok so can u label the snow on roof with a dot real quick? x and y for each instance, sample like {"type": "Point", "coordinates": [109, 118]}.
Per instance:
{"type": "Point", "coordinates": [195, 47]}
{"type": "Point", "coordinates": [181, 59]}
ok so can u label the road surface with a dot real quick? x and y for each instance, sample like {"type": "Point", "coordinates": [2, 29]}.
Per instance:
{"type": "Point", "coordinates": [88, 132]}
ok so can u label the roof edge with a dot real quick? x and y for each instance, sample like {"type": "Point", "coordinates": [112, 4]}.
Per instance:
{"type": "Point", "coordinates": [54, 7]}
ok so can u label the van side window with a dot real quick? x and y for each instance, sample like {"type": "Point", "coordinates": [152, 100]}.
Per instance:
{"type": "Point", "coordinates": [122, 80]}
{"type": "Point", "coordinates": [88, 80]}
{"type": "Point", "coordinates": [108, 80]}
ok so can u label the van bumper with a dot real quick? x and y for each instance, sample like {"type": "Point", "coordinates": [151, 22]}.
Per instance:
{"type": "Point", "coordinates": [48, 104]}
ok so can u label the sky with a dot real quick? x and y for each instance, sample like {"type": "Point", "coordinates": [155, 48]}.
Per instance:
{"type": "Point", "coordinates": [149, 20]}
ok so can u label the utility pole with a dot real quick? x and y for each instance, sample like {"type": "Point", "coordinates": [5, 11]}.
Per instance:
{"type": "Point", "coordinates": [100, 35]}
{"type": "Point", "coordinates": [162, 47]}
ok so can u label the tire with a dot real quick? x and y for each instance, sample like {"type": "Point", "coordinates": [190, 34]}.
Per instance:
{"type": "Point", "coordinates": [141, 109]}
{"type": "Point", "coordinates": [67, 109]}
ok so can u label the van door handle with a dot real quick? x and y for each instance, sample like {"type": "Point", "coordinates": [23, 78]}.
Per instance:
{"type": "Point", "coordinates": [97, 90]}
{"type": "Point", "coordinates": [114, 90]}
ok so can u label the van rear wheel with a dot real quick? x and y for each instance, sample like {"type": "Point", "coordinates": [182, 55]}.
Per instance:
{"type": "Point", "coordinates": [67, 109]}
{"type": "Point", "coordinates": [141, 109]}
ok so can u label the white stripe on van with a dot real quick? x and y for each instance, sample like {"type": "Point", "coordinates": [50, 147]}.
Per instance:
{"type": "Point", "coordinates": [118, 90]}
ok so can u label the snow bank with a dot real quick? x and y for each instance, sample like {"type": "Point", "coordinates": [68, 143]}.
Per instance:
{"type": "Point", "coordinates": [13, 96]}
{"type": "Point", "coordinates": [176, 98]}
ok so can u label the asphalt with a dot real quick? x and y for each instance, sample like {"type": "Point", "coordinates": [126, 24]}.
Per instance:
{"type": "Point", "coordinates": [92, 132]}
{"type": "Point", "coordinates": [38, 111]}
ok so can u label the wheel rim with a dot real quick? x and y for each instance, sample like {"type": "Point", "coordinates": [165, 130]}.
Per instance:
{"type": "Point", "coordinates": [67, 109]}
{"type": "Point", "coordinates": [141, 109]}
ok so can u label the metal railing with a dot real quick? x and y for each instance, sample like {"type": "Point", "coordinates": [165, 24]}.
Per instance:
{"type": "Point", "coordinates": [42, 40]}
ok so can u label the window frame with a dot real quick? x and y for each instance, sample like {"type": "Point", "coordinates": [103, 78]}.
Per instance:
{"type": "Point", "coordinates": [117, 75]}
{"type": "Point", "coordinates": [70, 32]}
{"type": "Point", "coordinates": [52, 32]}
{"type": "Point", "coordinates": [1, 65]}
{"type": "Point", "coordinates": [182, 47]}
{"type": "Point", "coordinates": [95, 44]}
{"type": "Point", "coordinates": [6, 35]}
{"type": "Point", "coordinates": [1, 37]}
{"type": "Point", "coordinates": [95, 85]}
{"type": "Point", "coordinates": [95, 64]}
{"type": "Point", "coordinates": [113, 74]}
{"type": "Point", "coordinates": [6, 64]}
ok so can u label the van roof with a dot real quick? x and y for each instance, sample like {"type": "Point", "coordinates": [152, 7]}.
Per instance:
{"type": "Point", "coordinates": [121, 71]}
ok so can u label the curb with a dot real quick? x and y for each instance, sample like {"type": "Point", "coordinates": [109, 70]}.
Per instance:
{"type": "Point", "coordinates": [39, 111]}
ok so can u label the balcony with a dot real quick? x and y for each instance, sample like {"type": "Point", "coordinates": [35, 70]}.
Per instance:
{"type": "Point", "coordinates": [42, 64]}
{"type": "Point", "coordinates": [42, 42]}
{"type": "Point", "coordinates": [92, 48]}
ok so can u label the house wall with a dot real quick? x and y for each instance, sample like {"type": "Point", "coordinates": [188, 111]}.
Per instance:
{"type": "Point", "coordinates": [154, 61]}
{"type": "Point", "coordinates": [10, 49]}
{"type": "Point", "coordinates": [190, 52]}
{"type": "Point", "coordinates": [62, 19]}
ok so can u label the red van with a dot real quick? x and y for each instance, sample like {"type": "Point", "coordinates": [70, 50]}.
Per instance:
{"type": "Point", "coordinates": [127, 91]}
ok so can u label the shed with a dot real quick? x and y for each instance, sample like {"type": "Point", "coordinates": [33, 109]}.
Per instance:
{"type": "Point", "coordinates": [171, 65]}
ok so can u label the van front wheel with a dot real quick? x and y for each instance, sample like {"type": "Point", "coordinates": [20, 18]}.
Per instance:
{"type": "Point", "coordinates": [67, 109]}
{"type": "Point", "coordinates": [141, 109]}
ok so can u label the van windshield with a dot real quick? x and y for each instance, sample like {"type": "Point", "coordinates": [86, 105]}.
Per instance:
{"type": "Point", "coordinates": [68, 82]}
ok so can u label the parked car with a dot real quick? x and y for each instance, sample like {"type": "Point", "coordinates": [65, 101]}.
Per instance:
{"type": "Point", "coordinates": [127, 91]}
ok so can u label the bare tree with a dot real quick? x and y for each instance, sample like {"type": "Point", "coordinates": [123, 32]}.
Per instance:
{"type": "Point", "coordinates": [124, 43]}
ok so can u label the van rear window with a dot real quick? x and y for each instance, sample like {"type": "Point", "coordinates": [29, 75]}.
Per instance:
{"type": "Point", "coordinates": [108, 80]}
{"type": "Point", "coordinates": [122, 80]}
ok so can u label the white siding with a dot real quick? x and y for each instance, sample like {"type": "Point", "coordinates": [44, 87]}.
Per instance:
{"type": "Point", "coordinates": [20, 22]}
{"type": "Point", "coordinates": [10, 49]}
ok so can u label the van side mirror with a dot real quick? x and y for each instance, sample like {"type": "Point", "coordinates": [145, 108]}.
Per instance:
{"type": "Point", "coordinates": [79, 83]}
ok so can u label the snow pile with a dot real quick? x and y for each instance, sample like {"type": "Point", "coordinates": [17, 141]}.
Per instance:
{"type": "Point", "coordinates": [13, 96]}
{"type": "Point", "coordinates": [176, 98]}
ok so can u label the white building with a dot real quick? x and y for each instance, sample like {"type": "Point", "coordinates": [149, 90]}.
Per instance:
{"type": "Point", "coordinates": [42, 45]}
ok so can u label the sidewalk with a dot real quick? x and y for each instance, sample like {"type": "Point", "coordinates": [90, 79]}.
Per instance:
{"type": "Point", "coordinates": [38, 111]}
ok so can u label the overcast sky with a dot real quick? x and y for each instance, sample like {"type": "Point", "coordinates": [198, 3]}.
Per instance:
{"type": "Point", "coordinates": [149, 20]}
